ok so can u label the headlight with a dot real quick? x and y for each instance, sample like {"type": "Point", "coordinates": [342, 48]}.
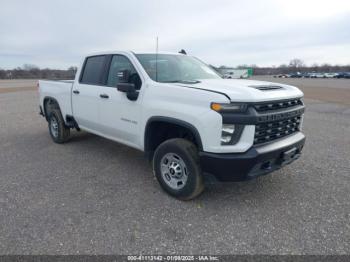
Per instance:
{"type": "Point", "coordinates": [230, 134]}
{"type": "Point", "coordinates": [232, 107]}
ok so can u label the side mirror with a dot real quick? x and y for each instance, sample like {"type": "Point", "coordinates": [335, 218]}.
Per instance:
{"type": "Point", "coordinates": [129, 89]}
{"type": "Point", "coordinates": [126, 87]}
{"type": "Point", "coordinates": [123, 76]}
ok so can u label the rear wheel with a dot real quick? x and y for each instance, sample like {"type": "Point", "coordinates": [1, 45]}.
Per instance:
{"type": "Point", "coordinates": [176, 167]}
{"type": "Point", "coordinates": [57, 128]}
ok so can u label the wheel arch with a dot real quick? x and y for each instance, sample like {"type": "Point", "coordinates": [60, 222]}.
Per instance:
{"type": "Point", "coordinates": [53, 101]}
{"type": "Point", "coordinates": [161, 120]}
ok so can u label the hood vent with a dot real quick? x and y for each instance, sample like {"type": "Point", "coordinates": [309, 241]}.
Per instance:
{"type": "Point", "coordinates": [266, 87]}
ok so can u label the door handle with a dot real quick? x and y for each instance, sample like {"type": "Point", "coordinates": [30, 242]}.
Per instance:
{"type": "Point", "coordinates": [104, 96]}
{"type": "Point", "coordinates": [76, 92]}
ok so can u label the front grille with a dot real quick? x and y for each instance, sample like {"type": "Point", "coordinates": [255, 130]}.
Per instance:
{"type": "Point", "coordinates": [266, 132]}
{"type": "Point", "coordinates": [268, 106]}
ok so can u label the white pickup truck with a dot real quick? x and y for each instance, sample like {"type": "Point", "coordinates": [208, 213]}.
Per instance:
{"type": "Point", "coordinates": [182, 114]}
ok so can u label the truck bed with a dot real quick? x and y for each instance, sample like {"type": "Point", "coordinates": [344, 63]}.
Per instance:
{"type": "Point", "coordinates": [60, 90]}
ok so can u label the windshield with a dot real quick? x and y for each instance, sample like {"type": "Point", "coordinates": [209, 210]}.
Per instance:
{"type": "Point", "coordinates": [175, 68]}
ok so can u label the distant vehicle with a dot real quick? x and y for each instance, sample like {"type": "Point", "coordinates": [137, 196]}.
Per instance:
{"type": "Point", "coordinates": [343, 75]}
{"type": "Point", "coordinates": [340, 75]}
{"type": "Point", "coordinates": [316, 75]}
{"type": "Point", "coordinates": [281, 76]}
{"type": "Point", "coordinates": [182, 114]}
{"type": "Point", "coordinates": [329, 75]}
{"type": "Point", "coordinates": [312, 75]}
{"type": "Point", "coordinates": [296, 75]}
{"type": "Point", "coordinates": [305, 75]}
{"type": "Point", "coordinates": [236, 73]}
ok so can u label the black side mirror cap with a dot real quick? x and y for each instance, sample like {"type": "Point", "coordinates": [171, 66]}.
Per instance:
{"type": "Point", "coordinates": [129, 89]}
{"type": "Point", "coordinates": [126, 87]}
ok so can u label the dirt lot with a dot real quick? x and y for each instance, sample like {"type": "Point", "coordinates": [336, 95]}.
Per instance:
{"type": "Point", "coordinates": [94, 196]}
{"type": "Point", "coordinates": [328, 90]}
{"type": "Point", "coordinates": [7, 86]}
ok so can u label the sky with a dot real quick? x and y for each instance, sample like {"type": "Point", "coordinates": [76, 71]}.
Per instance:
{"type": "Point", "coordinates": [57, 34]}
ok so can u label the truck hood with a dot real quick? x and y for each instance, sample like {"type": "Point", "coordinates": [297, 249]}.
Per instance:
{"type": "Point", "coordinates": [241, 90]}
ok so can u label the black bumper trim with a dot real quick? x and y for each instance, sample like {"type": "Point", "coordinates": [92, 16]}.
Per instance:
{"type": "Point", "coordinates": [255, 162]}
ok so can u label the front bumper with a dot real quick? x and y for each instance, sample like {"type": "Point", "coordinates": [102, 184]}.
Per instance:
{"type": "Point", "coordinates": [257, 161]}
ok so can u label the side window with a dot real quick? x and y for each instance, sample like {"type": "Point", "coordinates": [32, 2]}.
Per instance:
{"type": "Point", "coordinates": [119, 63]}
{"type": "Point", "coordinates": [93, 70]}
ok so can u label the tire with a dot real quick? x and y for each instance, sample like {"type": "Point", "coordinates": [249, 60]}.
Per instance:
{"type": "Point", "coordinates": [183, 183]}
{"type": "Point", "coordinates": [57, 128]}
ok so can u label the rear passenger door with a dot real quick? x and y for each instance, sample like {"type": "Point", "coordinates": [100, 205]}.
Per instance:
{"type": "Point", "coordinates": [86, 93]}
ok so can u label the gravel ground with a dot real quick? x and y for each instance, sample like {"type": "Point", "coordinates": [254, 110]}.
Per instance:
{"type": "Point", "coordinates": [328, 90]}
{"type": "Point", "coordinates": [19, 85]}
{"type": "Point", "coordinates": [94, 196]}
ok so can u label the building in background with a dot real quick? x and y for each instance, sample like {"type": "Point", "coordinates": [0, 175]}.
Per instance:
{"type": "Point", "coordinates": [229, 72]}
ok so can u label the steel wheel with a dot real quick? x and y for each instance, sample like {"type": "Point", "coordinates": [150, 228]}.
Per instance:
{"type": "Point", "coordinates": [174, 171]}
{"type": "Point", "coordinates": [177, 169]}
{"type": "Point", "coordinates": [54, 127]}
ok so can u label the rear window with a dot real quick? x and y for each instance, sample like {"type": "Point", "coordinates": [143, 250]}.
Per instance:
{"type": "Point", "coordinates": [93, 70]}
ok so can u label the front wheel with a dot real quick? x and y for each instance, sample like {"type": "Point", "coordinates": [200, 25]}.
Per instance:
{"type": "Point", "coordinates": [176, 167]}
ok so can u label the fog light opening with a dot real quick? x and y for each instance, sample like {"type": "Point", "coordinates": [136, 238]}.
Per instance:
{"type": "Point", "coordinates": [266, 165]}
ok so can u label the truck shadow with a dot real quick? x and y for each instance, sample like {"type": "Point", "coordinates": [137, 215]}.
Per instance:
{"type": "Point", "coordinates": [137, 169]}
{"type": "Point", "coordinates": [77, 137]}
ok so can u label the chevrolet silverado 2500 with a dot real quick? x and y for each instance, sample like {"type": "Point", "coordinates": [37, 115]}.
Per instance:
{"type": "Point", "coordinates": [182, 114]}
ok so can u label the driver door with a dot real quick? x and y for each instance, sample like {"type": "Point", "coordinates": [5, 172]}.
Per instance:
{"type": "Point", "coordinates": [119, 116]}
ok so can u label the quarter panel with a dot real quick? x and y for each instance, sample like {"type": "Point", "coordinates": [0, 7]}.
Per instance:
{"type": "Point", "coordinates": [60, 91]}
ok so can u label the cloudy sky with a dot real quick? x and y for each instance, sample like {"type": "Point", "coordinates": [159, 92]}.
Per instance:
{"type": "Point", "coordinates": [263, 32]}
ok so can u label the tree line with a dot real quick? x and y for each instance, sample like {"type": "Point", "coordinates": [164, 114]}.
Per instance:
{"type": "Point", "coordinates": [28, 71]}
{"type": "Point", "coordinates": [294, 66]}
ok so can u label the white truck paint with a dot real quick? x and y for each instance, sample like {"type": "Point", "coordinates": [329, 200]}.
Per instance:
{"type": "Point", "coordinates": [108, 111]}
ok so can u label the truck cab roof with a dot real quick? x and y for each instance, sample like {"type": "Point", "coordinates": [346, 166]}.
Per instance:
{"type": "Point", "coordinates": [111, 52]}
